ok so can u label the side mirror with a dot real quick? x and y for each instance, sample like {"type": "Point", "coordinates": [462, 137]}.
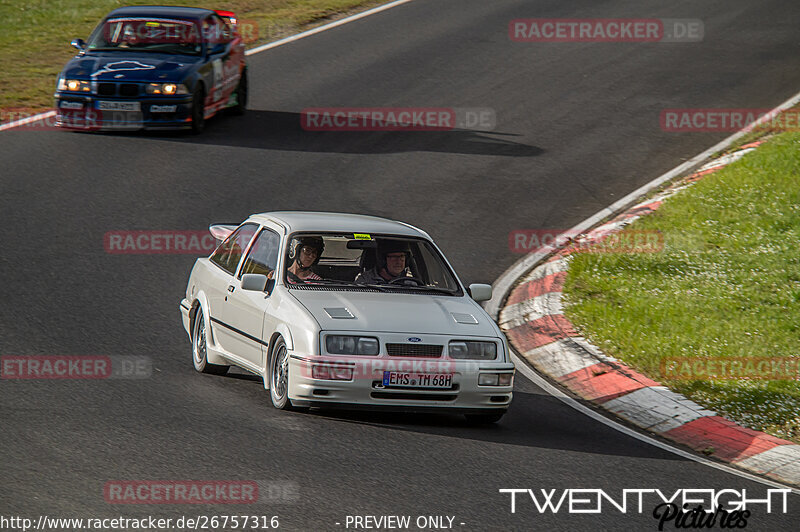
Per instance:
{"type": "Point", "coordinates": [79, 44]}
{"type": "Point", "coordinates": [480, 292]}
{"type": "Point", "coordinates": [256, 282]}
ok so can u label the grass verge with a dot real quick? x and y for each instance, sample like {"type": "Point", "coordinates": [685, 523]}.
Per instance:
{"type": "Point", "coordinates": [725, 287]}
{"type": "Point", "coordinates": [35, 36]}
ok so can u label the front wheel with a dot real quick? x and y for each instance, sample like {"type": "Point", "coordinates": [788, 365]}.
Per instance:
{"type": "Point", "coordinates": [198, 110]}
{"type": "Point", "coordinates": [279, 376]}
{"type": "Point", "coordinates": [200, 349]}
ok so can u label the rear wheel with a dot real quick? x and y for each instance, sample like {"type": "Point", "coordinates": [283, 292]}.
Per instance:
{"type": "Point", "coordinates": [485, 419]}
{"type": "Point", "coordinates": [198, 110]}
{"type": "Point", "coordinates": [200, 349]}
{"type": "Point", "coordinates": [241, 96]}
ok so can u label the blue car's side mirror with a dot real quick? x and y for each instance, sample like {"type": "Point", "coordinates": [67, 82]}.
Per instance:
{"type": "Point", "coordinates": [79, 44]}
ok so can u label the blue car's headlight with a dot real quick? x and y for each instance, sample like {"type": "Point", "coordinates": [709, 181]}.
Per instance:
{"type": "Point", "coordinates": [74, 85]}
{"type": "Point", "coordinates": [167, 89]}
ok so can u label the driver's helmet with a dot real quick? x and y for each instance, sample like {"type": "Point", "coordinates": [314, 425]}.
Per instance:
{"type": "Point", "coordinates": [297, 243]}
{"type": "Point", "coordinates": [129, 35]}
{"type": "Point", "coordinates": [392, 246]}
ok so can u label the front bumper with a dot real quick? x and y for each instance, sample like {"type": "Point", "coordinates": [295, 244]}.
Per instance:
{"type": "Point", "coordinates": [82, 112]}
{"type": "Point", "coordinates": [366, 388]}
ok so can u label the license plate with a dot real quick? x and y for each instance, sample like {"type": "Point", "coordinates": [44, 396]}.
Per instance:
{"type": "Point", "coordinates": [424, 380]}
{"type": "Point", "coordinates": [118, 106]}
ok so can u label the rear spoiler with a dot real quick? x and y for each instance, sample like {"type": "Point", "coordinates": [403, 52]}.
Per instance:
{"type": "Point", "coordinates": [222, 231]}
{"type": "Point", "coordinates": [228, 16]}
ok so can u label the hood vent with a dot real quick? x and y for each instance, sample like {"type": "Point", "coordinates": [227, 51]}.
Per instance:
{"type": "Point", "coordinates": [339, 313]}
{"type": "Point", "coordinates": [468, 319]}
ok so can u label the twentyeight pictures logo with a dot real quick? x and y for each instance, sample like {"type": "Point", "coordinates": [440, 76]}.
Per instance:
{"type": "Point", "coordinates": [683, 508]}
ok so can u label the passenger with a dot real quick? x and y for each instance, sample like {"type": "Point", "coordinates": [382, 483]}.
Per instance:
{"type": "Point", "coordinates": [304, 254]}
{"type": "Point", "coordinates": [392, 258]}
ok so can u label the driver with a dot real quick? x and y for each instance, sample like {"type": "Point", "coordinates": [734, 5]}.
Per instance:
{"type": "Point", "coordinates": [392, 263]}
{"type": "Point", "coordinates": [304, 254]}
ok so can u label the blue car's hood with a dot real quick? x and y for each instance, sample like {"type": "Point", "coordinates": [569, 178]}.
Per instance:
{"type": "Point", "coordinates": [122, 66]}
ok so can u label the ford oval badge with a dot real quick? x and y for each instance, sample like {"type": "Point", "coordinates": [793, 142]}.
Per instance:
{"type": "Point", "coordinates": [414, 339]}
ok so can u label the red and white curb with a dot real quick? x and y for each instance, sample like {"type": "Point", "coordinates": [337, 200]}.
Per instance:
{"type": "Point", "coordinates": [533, 319]}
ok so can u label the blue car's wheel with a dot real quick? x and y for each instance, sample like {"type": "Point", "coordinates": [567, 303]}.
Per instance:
{"type": "Point", "coordinates": [241, 96]}
{"type": "Point", "coordinates": [198, 110]}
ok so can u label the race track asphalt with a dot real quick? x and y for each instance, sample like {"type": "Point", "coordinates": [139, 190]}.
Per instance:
{"type": "Point", "coordinates": [577, 128]}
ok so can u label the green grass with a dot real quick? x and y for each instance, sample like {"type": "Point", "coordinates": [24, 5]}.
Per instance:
{"type": "Point", "coordinates": [35, 36]}
{"type": "Point", "coordinates": [727, 284]}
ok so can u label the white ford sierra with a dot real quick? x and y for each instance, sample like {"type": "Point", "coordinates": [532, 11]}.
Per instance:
{"type": "Point", "coordinates": [346, 311]}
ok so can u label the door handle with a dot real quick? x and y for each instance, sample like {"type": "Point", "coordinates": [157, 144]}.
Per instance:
{"type": "Point", "coordinates": [231, 288]}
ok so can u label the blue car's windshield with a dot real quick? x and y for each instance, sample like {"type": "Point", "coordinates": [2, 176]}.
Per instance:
{"type": "Point", "coordinates": [168, 36]}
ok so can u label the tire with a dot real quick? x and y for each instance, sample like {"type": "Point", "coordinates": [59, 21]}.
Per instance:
{"type": "Point", "coordinates": [485, 419]}
{"type": "Point", "coordinates": [241, 96]}
{"type": "Point", "coordinates": [279, 375]}
{"type": "Point", "coordinates": [198, 110]}
{"type": "Point", "coordinates": [200, 348]}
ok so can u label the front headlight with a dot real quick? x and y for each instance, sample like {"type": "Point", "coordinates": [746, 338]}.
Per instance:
{"type": "Point", "coordinates": [74, 85]}
{"type": "Point", "coordinates": [469, 350]}
{"type": "Point", "coordinates": [337, 344]}
{"type": "Point", "coordinates": [167, 89]}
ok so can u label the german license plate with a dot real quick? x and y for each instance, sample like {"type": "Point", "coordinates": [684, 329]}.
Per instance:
{"type": "Point", "coordinates": [118, 106]}
{"type": "Point", "coordinates": [424, 380]}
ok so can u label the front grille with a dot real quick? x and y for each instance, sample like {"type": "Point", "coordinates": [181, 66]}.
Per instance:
{"type": "Point", "coordinates": [129, 89]}
{"type": "Point", "coordinates": [414, 350]}
{"type": "Point", "coordinates": [107, 89]}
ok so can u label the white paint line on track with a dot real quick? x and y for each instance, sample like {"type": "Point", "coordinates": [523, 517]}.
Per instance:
{"type": "Point", "coordinates": [257, 49]}
{"type": "Point", "coordinates": [504, 283]}
{"type": "Point", "coordinates": [326, 27]}
{"type": "Point", "coordinates": [539, 381]}
{"type": "Point", "coordinates": [29, 120]}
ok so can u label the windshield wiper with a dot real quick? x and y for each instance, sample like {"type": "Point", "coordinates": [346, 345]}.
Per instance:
{"type": "Point", "coordinates": [425, 288]}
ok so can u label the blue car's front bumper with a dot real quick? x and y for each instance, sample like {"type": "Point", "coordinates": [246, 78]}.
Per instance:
{"type": "Point", "coordinates": [92, 112]}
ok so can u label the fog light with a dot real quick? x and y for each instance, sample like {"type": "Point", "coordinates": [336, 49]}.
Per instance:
{"type": "Point", "coordinates": [331, 373]}
{"type": "Point", "coordinates": [495, 379]}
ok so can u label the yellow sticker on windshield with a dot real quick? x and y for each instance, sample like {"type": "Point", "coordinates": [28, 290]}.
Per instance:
{"type": "Point", "coordinates": [361, 236]}
{"type": "Point", "coordinates": [155, 24]}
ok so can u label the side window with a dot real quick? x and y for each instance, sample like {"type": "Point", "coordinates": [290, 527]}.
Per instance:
{"type": "Point", "coordinates": [263, 255]}
{"type": "Point", "coordinates": [229, 252]}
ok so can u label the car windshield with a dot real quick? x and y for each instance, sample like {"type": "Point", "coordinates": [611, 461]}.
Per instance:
{"type": "Point", "coordinates": [385, 263]}
{"type": "Point", "coordinates": [169, 36]}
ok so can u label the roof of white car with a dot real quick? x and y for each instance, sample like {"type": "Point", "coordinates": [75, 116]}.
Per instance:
{"type": "Point", "coordinates": [338, 222]}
